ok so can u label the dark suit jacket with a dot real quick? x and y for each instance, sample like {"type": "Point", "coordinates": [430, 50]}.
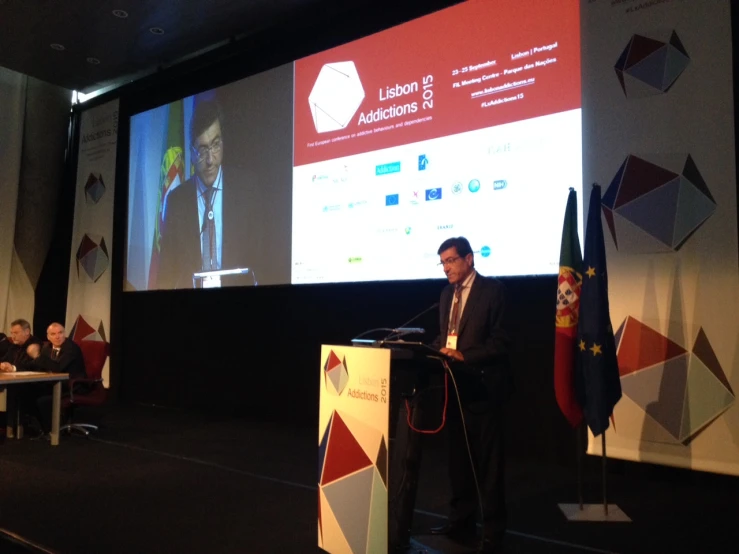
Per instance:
{"type": "Point", "coordinates": [4, 345]}
{"type": "Point", "coordinates": [180, 254]}
{"type": "Point", "coordinates": [70, 360]}
{"type": "Point", "coordinates": [481, 339]}
{"type": "Point", "coordinates": [17, 356]}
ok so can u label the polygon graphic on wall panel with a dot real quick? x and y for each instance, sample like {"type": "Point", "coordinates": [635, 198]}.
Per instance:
{"type": "Point", "coordinates": [666, 203]}
{"type": "Point", "coordinates": [706, 398]}
{"type": "Point", "coordinates": [649, 66]}
{"type": "Point", "coordinates": [682, 391]}
{"type": "Point", "coordinates": [659, 391]}
{"type": "Point", "coordinates": [703, 350]}
{"type": "Point", "coordinates": [87, 328]}
{"type": "Point", "coordinates": [336, 96]}
{"type": "Point", "coordinates": [644, 347]}
{"type": "Point", "coordinates": [94, 188]}
{"type": "Point", "coordinates": [92, 257]}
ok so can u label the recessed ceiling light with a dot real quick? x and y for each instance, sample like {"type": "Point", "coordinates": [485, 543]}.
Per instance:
{"type": "Point", "coordinates": [93, 61]}
{"type": "Point", "coordinates": [57, 46]}
{"type": "Point", "coordinates": [123, 14]}
{"type": "Point", "coordinates": [156, 30]}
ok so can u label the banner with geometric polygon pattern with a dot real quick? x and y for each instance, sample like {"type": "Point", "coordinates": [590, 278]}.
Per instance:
{"type": "Point", "coordinates": [653, 75]}
{"type": "Point", "coordinates": [353, 450]}
{"type": "Point", "coordinates": [88, 294]}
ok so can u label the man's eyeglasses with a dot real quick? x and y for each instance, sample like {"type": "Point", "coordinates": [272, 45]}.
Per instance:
{"type": "Point", "coordinates": [448, 261]}
{"type": "Point", "coordinates": [201, 152]}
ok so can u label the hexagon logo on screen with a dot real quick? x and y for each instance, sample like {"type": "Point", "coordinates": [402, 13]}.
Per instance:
{"type": "Point", "coordinates": [682, 391]}
{"type": "Point", "coordinates": [656, 207]}
{"type": "Point", "coordinates": [335, 373]}
{"type": "Point", "coordinates": [94, 188]}
{"type": "Point", "coordinates": [649, 66]}
{"type": "Point", "coordinates": [336, 96]}
{"type": "Point", "coordinates": [92, 257]}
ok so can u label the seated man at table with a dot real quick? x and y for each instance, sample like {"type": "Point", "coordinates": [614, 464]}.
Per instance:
{"type": "Point", "coordinates": [58, 356]}
{"type": "Point", "coordinates": [17, 358]}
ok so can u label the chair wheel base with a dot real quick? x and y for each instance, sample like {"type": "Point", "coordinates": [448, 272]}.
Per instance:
{"type": "Point", "coordinates": [83, 428]}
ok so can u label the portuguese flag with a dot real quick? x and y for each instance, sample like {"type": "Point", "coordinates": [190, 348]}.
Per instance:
{"type": "Point", "coordinates": [568, 310]}
{"type": "Point", "coordinates": [172, 175]}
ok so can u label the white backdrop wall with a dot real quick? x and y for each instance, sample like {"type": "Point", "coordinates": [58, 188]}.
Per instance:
{"type": "Point", "coordinates": [658, 100]}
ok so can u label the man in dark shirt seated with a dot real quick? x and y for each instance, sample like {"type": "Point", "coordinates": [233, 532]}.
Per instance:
{"type": "Point", "coordinates": [17, 358]}
{"type": "Point", "coordinates": [14, 357]}
{"type": "Point", "coordinates": [60, 355]}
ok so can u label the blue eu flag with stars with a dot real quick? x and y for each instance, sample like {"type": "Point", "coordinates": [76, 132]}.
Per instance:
{"type": "Point", "coordinates": [597, 382]}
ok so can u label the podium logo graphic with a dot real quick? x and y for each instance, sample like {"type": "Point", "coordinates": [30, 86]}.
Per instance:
{"type": "Point", "coordinates": [335, 374]}
{"type": "Point", "coordinates": [336, 96]}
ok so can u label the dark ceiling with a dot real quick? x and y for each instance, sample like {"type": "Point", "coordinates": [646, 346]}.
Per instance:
{"type": "Point", "coordinates": [81, 45]}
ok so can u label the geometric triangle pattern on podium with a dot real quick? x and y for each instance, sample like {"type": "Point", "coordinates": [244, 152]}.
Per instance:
{"type": "Point", "coordinates": [352, 481]}
{"type": "Point", "coordinates": [336, 374]}
{"type": "Point", "coordinates": [649, 66]}
{"type": "Point", "coordinates": [666, 203]}
{"type": "Point", "coordinates": [682, 391]}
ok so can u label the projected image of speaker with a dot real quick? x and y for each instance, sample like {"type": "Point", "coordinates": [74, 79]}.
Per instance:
{"type": "Point", "coordinates": [210, 188]}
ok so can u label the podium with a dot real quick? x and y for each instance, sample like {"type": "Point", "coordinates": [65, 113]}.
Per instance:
{"type": "Point", "coordinates": [367, 478]}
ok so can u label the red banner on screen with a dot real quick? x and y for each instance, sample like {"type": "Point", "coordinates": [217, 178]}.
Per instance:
{"type": "Point", "coordinates": [468, 67]}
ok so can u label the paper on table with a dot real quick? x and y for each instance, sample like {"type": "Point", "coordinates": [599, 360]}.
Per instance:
{"type": "Point", "coordinates": [22, 373]}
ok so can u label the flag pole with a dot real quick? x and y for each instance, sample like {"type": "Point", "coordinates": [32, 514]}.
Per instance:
{"type": "Point", "coordinates": [598, 360]}
{"type": "Point", "coordinates": [578, 432]}
{"type": "Point", "coordinates": [604, 458]}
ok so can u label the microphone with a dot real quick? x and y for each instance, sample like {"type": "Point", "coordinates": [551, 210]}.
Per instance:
{"type": "Point", "coordinates": [404, 330]}
{"type": "Point", "coordinates": [397, 331]}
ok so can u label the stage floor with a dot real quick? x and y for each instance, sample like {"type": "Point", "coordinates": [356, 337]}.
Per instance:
{"type": "Point", "coordinates": [161, 480]}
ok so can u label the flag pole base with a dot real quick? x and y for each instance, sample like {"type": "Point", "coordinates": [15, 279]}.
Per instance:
{"type": "Point", "coordinates": [594, 512]}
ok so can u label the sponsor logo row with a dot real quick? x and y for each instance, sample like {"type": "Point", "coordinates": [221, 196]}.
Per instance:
{"type": "Point", "coordinates": [436, 193]}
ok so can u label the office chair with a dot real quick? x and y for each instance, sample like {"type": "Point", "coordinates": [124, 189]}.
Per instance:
{"type": "Point", "coordinates": [94, 354]}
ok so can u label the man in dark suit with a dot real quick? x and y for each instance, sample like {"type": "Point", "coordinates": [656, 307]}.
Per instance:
{"type": "Point", "coordinates": [204, 227]}
{"type": "Point", "coordinates": [16, 358]}
{"type": "Point", "coordinates": [471, 314]}
{"type": "Point", "coordinates": [59, 355]}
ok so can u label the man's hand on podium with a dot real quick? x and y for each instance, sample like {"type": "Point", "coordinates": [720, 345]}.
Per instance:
{"type": "Point", "coordinates": [456, 354]}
